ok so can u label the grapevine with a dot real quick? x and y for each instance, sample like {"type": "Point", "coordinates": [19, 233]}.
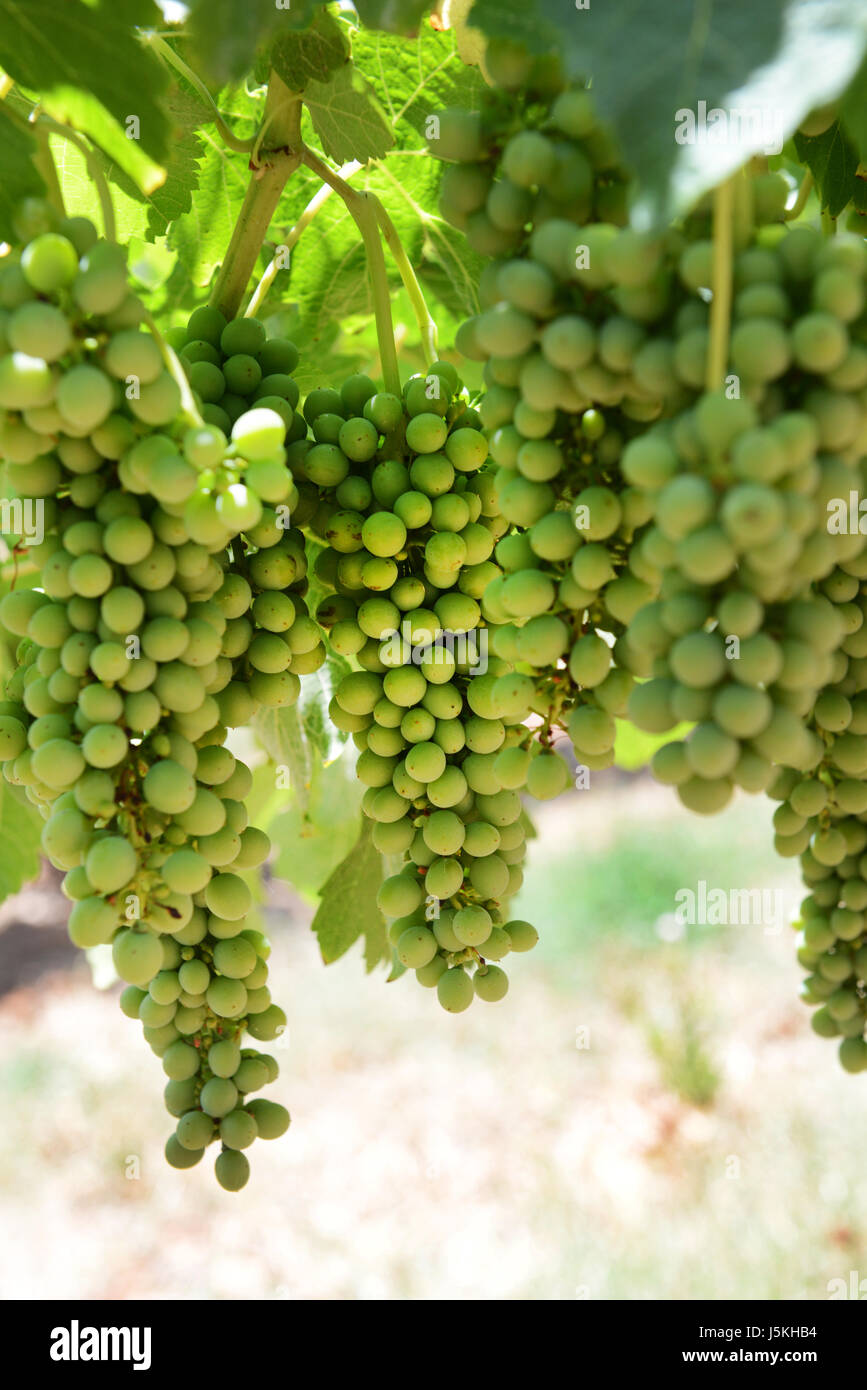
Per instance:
{"type": "Point", "coordinates": [460, 490]}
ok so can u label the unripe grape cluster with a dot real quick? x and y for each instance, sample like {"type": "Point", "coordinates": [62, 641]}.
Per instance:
{"type": "Point", "coordinates": [742, 638]}
{"type": "Point", "coordinates": [534, 152]}
{"type": "Point", "coordinates": [409, 523]}
{"type": "Point", "coordinates": [589, 336]}
{"type": "Point", "coordinates": [821, 819]}
{"type": "Point", "coordinates": [566, 309]}
{"type": "Point", "coordinates": [706, 584]}
{"type": "Point", "coordinates": [134, 657]}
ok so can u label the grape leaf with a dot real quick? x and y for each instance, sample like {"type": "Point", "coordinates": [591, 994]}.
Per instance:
{"type": "Point", "coordinates": [309, 840]}
{"type": "Point", "coordinates": [93, 47]}
{"type": "Point", "coordinates": [347, 117]}
{"type": "Point", "coordinates": [396, 16]}
{"type": "Point", "coordinates": [333, 284]}
{"type": "Point", "coordinates": [853, 111]}
{"type": "Point", "coordinates": [175, 196]}
{"type": "Point", "coordinates": [20, 179]}
{"type": "Point", "coordinates": [20, 828]}
{"type": "Point", "coordinates": [281, 734]}
{"type": "Point", "coordinates": [414, 79]}
{"type": "Point", "coordinates": [309, 55]}
{"type": "Point", "coordinates": [200, 236]}
{"type": "Point", "coordinates": [87, 115]}
{"type": "Point", "coordinates": [774, 62]}
{"type": "Point", "coordinates": [348, 904]}
{"type": "Point", "coordinates": [226, 35]}
{"type": "Point", "coordinates": [833, 161]}
{"type": "Point", "coordinates": [130, 207]}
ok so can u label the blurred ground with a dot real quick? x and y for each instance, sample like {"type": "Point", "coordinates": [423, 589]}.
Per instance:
{"type": "Point", "coordinates": [697, 1141]}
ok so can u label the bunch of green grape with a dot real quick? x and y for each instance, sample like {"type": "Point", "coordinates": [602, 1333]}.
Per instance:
{"type": "Point", "coordinates": [409, 523]}
{"type": "Point", "coordinates": [821, 819]}
{"type": "Point", "coordinates": [132, 665]}
{"type": "Point", "coordinates": [233, 365]}
{"type": "Point", "coordinates": [747, 496]}
{"type": "Point", "coordinates": [535, 151]}
{"type": "Point", "coordinates": [566, 333]}
{"type": "Point", "coordinates": [595, 341]}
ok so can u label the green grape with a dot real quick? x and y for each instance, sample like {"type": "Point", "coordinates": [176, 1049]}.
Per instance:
{"type": "Point", "coordinates": [268, 1024]}
{"type": "Point", "coordinates": [228, 896]}
{"type": "Point", "coordinates": [92, 922]}
{"type": "Point", "coordinates": [272, 1120]}
{"type": "Point", "coordinates": [219, 1096]}
{"type": "Point", "coordinates": [49, 263]}
{"type": "Point", "coordinates": [194, 1130]}
{"type": "Point", "coordinates": [111, 863]}
{"type": "Point", "coordinates": [416, 947]}
{"type": "Point", "coordinates": [522, 936]}
{"type": "Point", "coordinates": [491, 983]}
{"type": "Point", "coordinates": [547, 776]}
{"type": "Point", "coordinates": [455, 990]}
{"type": "Point", "coordinates": [137, 955]}
{"type": "Point", "coordinates": [179, 1157]}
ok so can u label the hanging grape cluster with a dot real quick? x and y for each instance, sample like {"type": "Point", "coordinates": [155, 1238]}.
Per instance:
{"type": "Point", "coordinates": [409, 522]}
{"type": "Point", "coordinates": [140, 649]}
{"type": "Point", "coordinates": [673, 557]}
{"type": "Point", "coordinates": [566, 309]}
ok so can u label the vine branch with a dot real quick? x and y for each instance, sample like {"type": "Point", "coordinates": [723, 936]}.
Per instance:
{"type": "Point", "coordinates": [721, 283]}
{"type": "Point", "coordinates": [362, 208]}
{"type": "Point", "coordinates": [291, 239]}
{"type": "Point", "coordinates": [168, 55]}
{"type": "Point", "coordinates": [427, 326]}
{"type": "Point", "coordinates": [283, 113]}
{"type": "Point", "coordinates": [173, 366]}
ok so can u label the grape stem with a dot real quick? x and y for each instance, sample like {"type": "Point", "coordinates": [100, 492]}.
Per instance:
{"type": "Point", "coordinates": [283, 114]}
{"type": "Point", "coordinates": [721, 283]}
{"type": "Point", "coordinates": [426, 323]}
{"type": "Point", "coordinates": [168, 55]}
{"type": "Point", "coordinates": [173, 366]}
{"type": "Point", "coordinates": [15, 568]}
{"type": "Point", "coordinates": [801, 201]}
{"type": "Point", "coordinates": [362, 209]}
{"type": "Point", "coordinates": [47, 170]}
{"type": "Point", "coordinates": [291, 240]}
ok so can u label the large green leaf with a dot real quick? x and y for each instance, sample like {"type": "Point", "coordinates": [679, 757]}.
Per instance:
{"type": "Point", "coordinates": [20, 828]}
{"type": "Point", "coordinates": [308, 55]}
{"type": "Point", "coordinates": [226, 34]}
{"type": "Point", "coordinates": [20, 179]}
{"type": "Point", "coordinates": [833, 161]}
{"type": "Point", "coordinates": [87, 115]}
{"type": "Point", "coordinates": [281, 734]}
{"type": "Point", "coordinates": [200, 236]}
{"type": "Point", "coordinates": [396, 16]}
{"type": "Point", "coordinates": [414, 78]}
{"type": "Point", "coordinates": [652, 59]}
{"type": "Point", "coordinates": [348, 907]}
{"type": "Point", "coordinates": [347, 116]}
{"type": "Point", "coordinates": [93, 47]}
